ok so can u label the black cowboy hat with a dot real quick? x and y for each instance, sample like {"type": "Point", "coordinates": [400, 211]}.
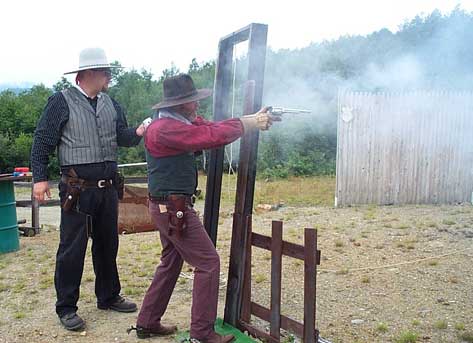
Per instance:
{"type": "Point", "coordinates": [180, 90]}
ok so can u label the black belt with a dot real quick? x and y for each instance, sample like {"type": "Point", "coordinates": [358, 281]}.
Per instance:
{"type": "Point", "coordinates": [166, 197]}
{"type": "Point", "coordinates": [103, 183]}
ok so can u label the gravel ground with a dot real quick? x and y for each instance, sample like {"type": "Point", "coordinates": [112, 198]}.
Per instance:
{"type": "Point", "coordinates": [386, 273]}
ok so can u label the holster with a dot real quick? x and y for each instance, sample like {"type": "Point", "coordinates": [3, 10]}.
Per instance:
{"type": "Point", "coordinates": [73, 190]}
{"type": "Point", "coordinates": [176, 207]}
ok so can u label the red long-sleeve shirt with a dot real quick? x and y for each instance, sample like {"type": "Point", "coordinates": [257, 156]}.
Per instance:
{"type": "Point", "coordinates": [169, 137]}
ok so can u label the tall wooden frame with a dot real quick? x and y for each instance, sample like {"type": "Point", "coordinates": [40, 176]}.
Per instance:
{"type": "Point", "coordinates": [256, 35]}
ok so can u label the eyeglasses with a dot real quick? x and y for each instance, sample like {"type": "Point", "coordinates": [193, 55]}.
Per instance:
{"type": "Point", "coordinates": [106, 71]}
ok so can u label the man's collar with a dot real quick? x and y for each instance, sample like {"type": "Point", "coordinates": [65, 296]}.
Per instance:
{"type": "Point", "coordinates": [85, 94]}
{"type": "Point", "coordinates": [166, 113]}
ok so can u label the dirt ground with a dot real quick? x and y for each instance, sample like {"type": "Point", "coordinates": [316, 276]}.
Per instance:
{"type": "Point", "coordinates": [388, 274]}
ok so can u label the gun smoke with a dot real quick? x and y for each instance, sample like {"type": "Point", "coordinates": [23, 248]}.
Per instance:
{"type": "Point", "coordinates": [428, 53]}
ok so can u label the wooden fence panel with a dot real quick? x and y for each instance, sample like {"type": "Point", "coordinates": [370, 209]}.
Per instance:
{"type": "Point", "coordinates": [404, 148]}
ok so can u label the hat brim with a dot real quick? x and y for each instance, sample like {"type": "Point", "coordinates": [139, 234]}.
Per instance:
{"type": "Point", "coordinates": [201, 94]}
{"type": "Point", "coordinates": [97, 66]}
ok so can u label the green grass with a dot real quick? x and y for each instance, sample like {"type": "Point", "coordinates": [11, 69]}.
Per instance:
{"type": "Point", "coordinates": [402, 227]}
{"type": "Point", "coordinates": [343, 271]}
{"type": "Point", "coordinates": [448, 222]}
{"type": "Point", "coordinates": [441, 324]}
{"type": "Point", "coordinates": [260, 278]}
{"type": "Point", "coordinates": [46, 282]}
{"type": "Point", "coordinates": [467, 337]}
{"type": "Point", "coordinates": [293, 191]}
{"type": "Point", "coordinates": [19, 287]}
{"type": "Point", "coordinates": [407, 337]}
{"type": "Point", "coordinates": [19, 315]}
{"type": "Point", "coordinates": [131, 291]}
{"type": "Point", "coordinates": [459, 326]}
{"type": "Point", "coordinates": [382, 327]}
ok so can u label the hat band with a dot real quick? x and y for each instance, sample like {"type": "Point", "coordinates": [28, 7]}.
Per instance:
{"type": "Point", "coordinates": [102, 65]}
{"type": "Point", "coordinates": [181, 96]}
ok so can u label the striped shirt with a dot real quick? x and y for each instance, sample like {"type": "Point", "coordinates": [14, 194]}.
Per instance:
{"type": "Point", "coordinates": [48, 133]}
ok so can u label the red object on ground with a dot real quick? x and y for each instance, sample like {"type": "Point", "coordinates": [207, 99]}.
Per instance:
{"type": "Point", "coordinates": [22, 169]}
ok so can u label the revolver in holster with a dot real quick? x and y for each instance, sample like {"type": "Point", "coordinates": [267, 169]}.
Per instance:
{"type": "Point", "coordinates": [73, 189]}
{"type": "Point", "coordinates": [72, 195]}
{"type": "Point", "coordinates": [177, 205]}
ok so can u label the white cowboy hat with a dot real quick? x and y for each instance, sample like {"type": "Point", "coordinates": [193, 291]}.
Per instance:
{"type": "Point", "coordinates": [92, 58]}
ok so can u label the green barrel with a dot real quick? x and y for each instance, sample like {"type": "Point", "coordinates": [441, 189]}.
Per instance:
{"type": "Point", "coordinates": [9, 240]}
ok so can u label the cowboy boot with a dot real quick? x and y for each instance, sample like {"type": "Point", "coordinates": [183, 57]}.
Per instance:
{"type": "Point", "coordinates": [215, 338]}
{"type": "Point", "coordinates": [159, 330]}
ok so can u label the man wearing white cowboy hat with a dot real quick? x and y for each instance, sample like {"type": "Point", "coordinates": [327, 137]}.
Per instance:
{"type": "Point", "coordinates": [171, 142]}
{"type": "Point", "coordinates": [86, 126]}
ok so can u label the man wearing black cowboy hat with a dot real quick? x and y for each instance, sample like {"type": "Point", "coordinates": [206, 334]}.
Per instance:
{"type": "Point", "coordinates": [86, 126]}
{"type": "Point", "coordinates": [171, 142]}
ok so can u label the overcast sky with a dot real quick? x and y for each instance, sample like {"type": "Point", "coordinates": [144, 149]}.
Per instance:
{"type": "Point", "coordinates": [41, 40]}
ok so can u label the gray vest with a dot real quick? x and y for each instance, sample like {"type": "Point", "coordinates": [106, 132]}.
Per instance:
{"type": "Point", "coordinates": [88, 137]}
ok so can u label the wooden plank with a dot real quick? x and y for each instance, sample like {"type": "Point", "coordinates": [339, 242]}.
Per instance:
{"type": "Point", "coordinates": [287, 323]}
{"type": "Point", "coordinates": [221, 103]}
{"type": "Point", "coordinates": [239, 244]}
{"type": "Point", "coordinates": [34, 211]}
{"type": "Point", "coordinates": [339, 154]}
{"type": "Point", "coordinates": [29, 203]}
{"type": "Point", "coordinates": [135, 179]}
{"type": "Point", "coordinates": [236, 37]}
{"type": "Point", "coordinates": [288, 249]}
{"type": "Point", "coordinates": [255, 332]}
{"type": "Point", "coordinates": [246, 301]}
{"type": "Point", "coordinates": [246, 174]}
{"type": "Point", "coordinates": [310, 274]}
{"type": "Point", "coordinates": [276, 270]}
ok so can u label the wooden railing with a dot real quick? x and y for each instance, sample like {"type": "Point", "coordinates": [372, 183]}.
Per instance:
{"type": "Point", "coordinates": [311, 257]}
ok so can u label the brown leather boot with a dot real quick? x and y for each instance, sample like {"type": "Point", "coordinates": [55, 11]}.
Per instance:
{"type": "Point", "coordinates": [160, 330]}
{"type": "Point", "coordinates": [215, 338]}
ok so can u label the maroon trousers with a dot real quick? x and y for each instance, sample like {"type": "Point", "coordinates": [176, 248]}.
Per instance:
{"type": "Point", "coordinates": [195, 247]}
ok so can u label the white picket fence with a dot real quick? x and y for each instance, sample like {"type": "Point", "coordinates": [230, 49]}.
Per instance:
{"type": "Point", "coordinates": [404, 148]}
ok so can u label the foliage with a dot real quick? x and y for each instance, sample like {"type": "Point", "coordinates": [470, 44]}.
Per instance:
{"type": "Point", "coordinates": [18, 117]}
{"type": "Point", "coordinates": [62, 84]}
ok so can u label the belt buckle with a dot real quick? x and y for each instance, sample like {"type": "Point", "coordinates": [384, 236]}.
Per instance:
{"type": "Point", "coordinates": [101, 183]}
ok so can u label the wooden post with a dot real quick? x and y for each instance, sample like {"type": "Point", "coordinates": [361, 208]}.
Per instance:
{"type": "Point", "coordinates": [310, 274]}
{"type": "Point", "coordinates": [246, 174]}
{"type": "Point", "coordinates": [223, 83]}
{"type": "Point", "coordinates": [246, 302]}
{"type": "Point", "coordinates": [240, 227]}
{"type": "Point", "coordinates": [34, 210]}
{"type": "Point", "coordinates": [276, 270]}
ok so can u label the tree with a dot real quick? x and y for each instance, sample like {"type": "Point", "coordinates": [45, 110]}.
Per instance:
{"type": "Point", "coordinates": [169, 72]}
{"type": "Point", "coordinates": [62, 84]}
